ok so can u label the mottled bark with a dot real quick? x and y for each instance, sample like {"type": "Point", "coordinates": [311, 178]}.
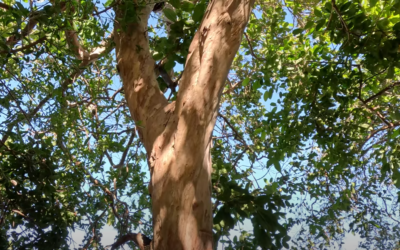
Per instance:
{"type": "Point", "coordinates": [177, 136]}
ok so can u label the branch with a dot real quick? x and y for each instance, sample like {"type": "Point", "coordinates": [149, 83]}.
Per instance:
{"type": "Point", "coordinates": [251, 48]}
{"type": "Point", "coordinates": [135, 65]}
{"type": "Point", "coordinates": [237, 135]}
{"type": "Point", "coordinates": [382, 91]}
{"type": "Point", "coordinates": [5, 6]}
{"type": "Point", "coordinates": [28, 46]}
{"type": "Point", "coordinates": [232, 87]}
{"type": "Point", "coordinates": [105, 10]}
{"type": "Point", "coordinates": [376, 112]}
{"type": "Point", "coordinates": [140, 240]}
{"type": "Point", "coordinates": [373, 133]}
{"type": "Point", "coordinates": [122, 161]}
{"type": "Point", "coordinates": [90, 241]}
{"type": "Point", "coordinates": [81, 53]}
{"type": "Point", "coordinates": [341, 19]}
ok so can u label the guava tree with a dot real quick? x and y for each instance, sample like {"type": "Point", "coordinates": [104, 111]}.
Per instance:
{"type": "Point", "coordinates": [192, 124]}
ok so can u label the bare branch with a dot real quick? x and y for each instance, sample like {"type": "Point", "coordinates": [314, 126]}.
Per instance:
{"type": "Point", "coordinates": [140, 240]}
{"type": "Point", "coordinates": [251, 47]}
{"type": "Point", "coordinates": [122, 161]}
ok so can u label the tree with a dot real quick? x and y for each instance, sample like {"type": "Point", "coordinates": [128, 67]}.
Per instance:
{"type": "Point", "coordinates": [328, 143]}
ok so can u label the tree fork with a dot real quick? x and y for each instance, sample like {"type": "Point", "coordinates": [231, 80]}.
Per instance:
{"type": "Point", "coordinates": [177, 135]}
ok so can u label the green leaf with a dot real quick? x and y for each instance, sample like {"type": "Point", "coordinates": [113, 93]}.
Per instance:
{"type": "Point", "coordinates": [328, 7]}
{"type": "Point", "coordinates": [198, 12]}
{"type": "Point", "coordinates": [319, 25]}
{"type": "Point", "coordinates": [277, 165]}
{"type": "Point", "coordinates": [187, 6]}
{"type": "Point", "coordinates": [345, 6]}
{"type": "Point", "coordinates": [365, 125]}
{"type": "Point", "coordinates": [170, 14]}
{"type": "Point", "coordinates": [297, 31]}
{"type": "Point", "coordinates": [317, 13]}
{"type": "Point", "coordinates": [175, 3]}
{"type": "Point", "coordinates": [309, 25]}
{"type": "Point", "coordinates": [245, 82]}
{"type": "Point", "coordinates": [256, 85]}
{"type": "Point", "coordinates": [396, 26]}
{"type": "Point", "coordinates": [390, 72]}
{"type": "Point", "coordinates": [372, 3]}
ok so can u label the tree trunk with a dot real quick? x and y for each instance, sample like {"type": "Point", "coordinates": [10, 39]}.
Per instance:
{"type": "Point", "coordinates": [177, 136]}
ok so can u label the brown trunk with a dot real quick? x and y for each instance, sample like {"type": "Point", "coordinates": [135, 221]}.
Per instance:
{"type": "Point", "coordinates": [177, 136]}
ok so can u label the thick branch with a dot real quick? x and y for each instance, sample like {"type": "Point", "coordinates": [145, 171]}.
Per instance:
{"type": "Point", "coordinates": [81, 53]}
{"type": "Point", "coordinates": [146, 102]}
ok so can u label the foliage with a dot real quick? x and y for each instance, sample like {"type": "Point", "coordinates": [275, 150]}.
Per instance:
{"type": "Point", "coordinates": [306, 142]}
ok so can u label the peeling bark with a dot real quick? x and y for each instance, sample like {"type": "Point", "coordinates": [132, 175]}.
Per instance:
{"type": "Point", "coordinates": [177, 136]}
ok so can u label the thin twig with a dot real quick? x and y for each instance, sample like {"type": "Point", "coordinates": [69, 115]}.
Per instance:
{"type": "Point", "coordinates": [237, 135]}
{"type": "Point", "coordinates": [251, 48]}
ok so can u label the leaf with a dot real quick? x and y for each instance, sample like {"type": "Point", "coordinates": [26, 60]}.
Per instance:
{"type": "Point", "coordinates": [297, 31]}
{"type": "Point", "coordinates": [256, 85]}
{"type": "Point", "coordinates": [170, 14]}
{"type": "Point", "coordinates": [345, 6]}
{"type": "Point", "coordinates": [317, 13]}
{"type": "Point", "coordinates": [328, 7]}
{"type": "Point", "coordinates": [365, 125]}
{"type": "Point", "coordinates": [372, 3]}
{"type": "Point", "coordinates": [396, 26]}
{"type": "Point", "coordinates": [245, 82]}
{"type": "Point", "coordinates": [277, 165]}
{"type": "Point", "coordinates": [309, 25]}
{"type": "Point", "coordinates": [198, 12]}
{"type": "Point", "coordinates": [266, 96]}
{"type": "Point", "coordinates": [175, 3]}
{"type": "Point", "coordinates": [187, 6]}
{"type": "Point", "coordinates": [390, 72]}
{"type": "Point", "coordinates": [170, 64]}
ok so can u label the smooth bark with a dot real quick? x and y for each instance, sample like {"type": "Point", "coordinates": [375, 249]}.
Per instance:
{"type": "Point", "coordinates": [177, 136]}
